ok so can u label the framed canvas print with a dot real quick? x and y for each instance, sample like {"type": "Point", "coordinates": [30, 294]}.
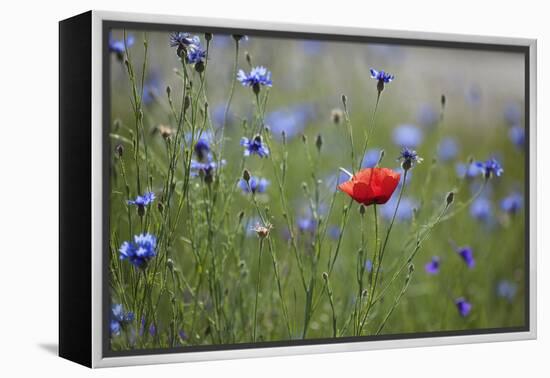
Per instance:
{"type": "Point", "coordinates": [236, 189]}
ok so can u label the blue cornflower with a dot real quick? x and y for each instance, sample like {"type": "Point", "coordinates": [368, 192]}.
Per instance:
{"type": "Point", "coordinates": [481, 209]}
{"type": "Point", "coordinates": [512, 203]}
{"type": "Point", "coordinates": [469, 170]}
{"type": "Point", "coordinates": [291, 120]}
{"type": "Point", "coordinates": [467, 254]}
{"type": "Point", "coordinates": [306, 224]}
{"type": "Point", "coordinates": [119, 319]}
{"type": "Point", "coordinates": [151, 88]}
{"type": "Point", "coordinates": [371, 158]}
{"type": "Point", "coordinates": [463, 306]}
{"type": "Point", "coordinates": [202, 148]}
{"type": "Point", "coordinates": [404, 212]}
{"type": "Point", "coordinates": [196, 55]}
{"type": "Point", "coordinates": [206, 169]}
{"type": "Point", "coordinates": [382, 78]}
{"type": "Point", "coordinates": [407, 136]}
{"type": "Point", "coordinates": [368, 265]}
{"type": "Point", "coordinates": [507, 290]}
{"type": "Point", "coordinates": [254, 146]}
{"type": "Point", "coordinates": [490, 168]}
{"type": "Point", "coordinates": [427, 115]}
{"type": "Point", "coordinates": [432, 267]}
{"type": "Point", "coordinates": [254, 185]}
{"type": "Point", "coordinates": [517, 135]}
{"type": "Point", "coordinates": [473, 95]}
{"type": "Point", "coordinates": [144, 200]}
{"type": "Point", "coordinates": [408, 158]}
{"type": "Point", "coordinates": [447, 149]}
{"type": "Point", "coordinates": [140, 250]}
{"type": "Point", "coordinates": [512, 113]}
{"type": "Point", "coordinates": [258, 76]}
{"type": "Point", "coordinates": [183, 41]}
{"type": "Point", "coordinates": [118, 47]}
{"type": "Point", "coordinates": [334, 232]}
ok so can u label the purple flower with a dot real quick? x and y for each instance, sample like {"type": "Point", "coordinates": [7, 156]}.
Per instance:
{"type": "Point", "coordinates": [408, 158]}
{"type": "Point", "coordinates": [463, 306]}
{"type": "Point", "coordinates": [205, 170]}
{"type": "Point", "coordinates": [306, 224]}
{"type": "Point", "coordinates": [140, 250]}
{"type": "Point", "coordinates": [469, 170]}
{"type": "Point", "coordinates": [427, 115]}
{"type": "Point", "coordinates": [381, 76]}
{"type": "Point", "coordinates": [371, 158]}
{"type": "Point", "coordinates": [512, 113]}
{"type": "Point", "coordinates": [517, 136]}
{"type": "Point", "coordinates": [202, 148]}
{"type": "Point", "coordinates": [257, 77]}
{"type": "Point", "coordinates": [404, 212]}
{"type": "Point", "coordinates": [118, 46]}
{"type": "Point", "coordinates": [142, 201]}
{"type": "Point", "coordinates": [507, 290]}
{"type": "Point", "coordinates": [490, 168]}
{"type": "Point", "coordinates": [467, 255]}
{"type": "Point", "coordinates": [292, 120]}
{"type": "Point", "coordinates": [407, 136]}
{"type": "Point", "coordinates": [447, 149]}
{"type": "Point", "coordinates": [184, 42]}
{"type": "Point", "coordinates": [195, 55]}
{"type": "Point", "coordinates": [119, 319]}
{"type": "Point", "coordinates": [432, 267]}
{"type": "Point", "coordinates": [481, 209]}
{"type": "Point", "coordinates": [368, 265]}
{"type": "Point", "coordinates": [334, 232]}
{"type": "Point", "coordinates": [512, 203]}
{"type": "Point", "coordinates": [254, 146]}
{"type": "Point", "coordinates": [254, 185]}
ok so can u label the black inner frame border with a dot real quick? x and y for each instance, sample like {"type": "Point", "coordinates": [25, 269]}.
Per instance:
{"type": "Point", "coordinates": [107, 25]}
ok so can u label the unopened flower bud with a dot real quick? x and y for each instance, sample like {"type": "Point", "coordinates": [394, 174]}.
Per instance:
{"type": "Point", "coordinates": [344, 100]}
{"type": "Point", "coordinates": [246, 175]}
{"type": "Point", "coordinates": [450, 198]}
{"type": "Point", "coordinates": [325, 276]}
{"type": "Point", "coordinates": [319, 142]}
{"type": "Point", "coordinates": [208, 37]}
{"type": "Point", "coordinates": [186, 102]}
{"type": "Point", "coordinates": [119, 150]}
{"type": "Point", "coordinates": [362, 210]}
{"type": "Point", "coordinates": [170, 264]}
{"type": "Point", "coordinates": [443, 100]}
{"type": "Point", "coordinates": [248, 58]}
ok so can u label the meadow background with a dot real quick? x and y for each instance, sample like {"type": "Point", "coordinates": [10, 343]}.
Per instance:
{"type": "Point", "coordinates": [483, 111]}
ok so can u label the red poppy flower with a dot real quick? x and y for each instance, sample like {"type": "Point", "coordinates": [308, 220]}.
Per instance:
{"type": "Point", "coordinates": [371, 185]}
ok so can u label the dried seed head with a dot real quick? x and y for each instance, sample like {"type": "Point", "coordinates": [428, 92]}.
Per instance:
{"type": "Point", "coordinates": [336, 115]}
{"type": "Point", "coordinates": [262, 231]}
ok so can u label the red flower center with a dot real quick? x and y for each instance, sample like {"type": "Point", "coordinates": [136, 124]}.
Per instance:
{"type": "Point", "coordinates": [371, 185]}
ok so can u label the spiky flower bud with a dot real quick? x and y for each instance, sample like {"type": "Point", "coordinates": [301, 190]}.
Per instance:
{"type": "Point", "coordinates": [450, 198]}
{"type": "Point", "coordinates": [119, 150]}
{"type": "Point", "coordinates": [319, 142]}
{"type": "Point", "coordinates": [246, 175]}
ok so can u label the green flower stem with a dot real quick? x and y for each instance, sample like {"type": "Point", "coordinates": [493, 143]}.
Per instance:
{"type": "Point", "coordinates": [258, 279]}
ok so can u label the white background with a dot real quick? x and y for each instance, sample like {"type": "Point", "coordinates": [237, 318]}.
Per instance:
{"type": "Point", "coordinates": [29, 189]}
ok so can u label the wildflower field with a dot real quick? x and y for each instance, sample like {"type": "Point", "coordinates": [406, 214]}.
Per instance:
{"type": "Point", "coordinates": [277, 189]}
